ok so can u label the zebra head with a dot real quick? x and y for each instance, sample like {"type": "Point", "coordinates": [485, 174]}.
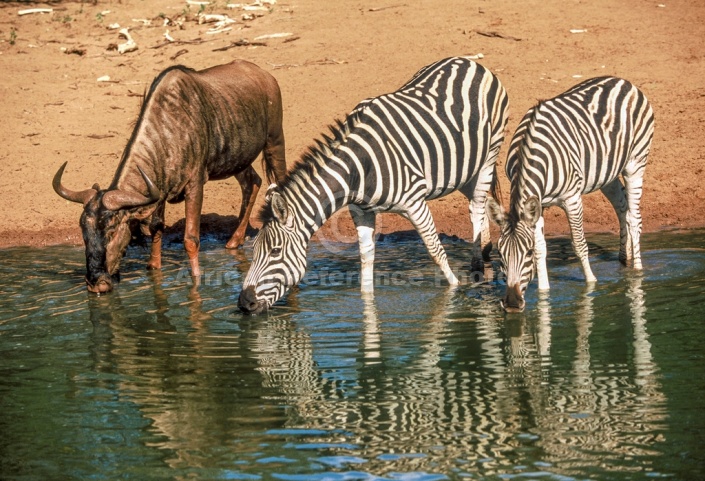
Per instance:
{"type": "Point", "coordinates": [279, 257]}
{"type": "Point", "coordinates": [516, 248]}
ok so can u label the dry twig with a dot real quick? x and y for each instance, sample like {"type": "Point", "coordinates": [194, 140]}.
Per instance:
{"type": "Point", "coordinates": [240, 43]}
{"type": "Point", "coordinates": [379, 9]}
{"type": "Point", "coordinates": [497, 35]}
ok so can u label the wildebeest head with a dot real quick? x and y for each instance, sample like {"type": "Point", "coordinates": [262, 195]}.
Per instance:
{"type": "Point", "coordinates": [105, 227]}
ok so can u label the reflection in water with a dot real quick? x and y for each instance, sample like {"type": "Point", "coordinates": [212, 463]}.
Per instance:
{"type": "Point", "coordinates": [602, 411]}
{"type": "Point", "coordinates": [508, 395]}
{"type": "Point", "coordinates": [197, 388]}
{"type": "Point", "coordinates": [371, 328]}
{"type": "Point", "coordinates": [163, 379]}
{"type": "Point", "coordinates": [582, 414]}
{"type": "Point", "coordinates": [642, 348]}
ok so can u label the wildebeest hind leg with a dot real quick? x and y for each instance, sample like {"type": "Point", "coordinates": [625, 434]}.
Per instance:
{"type": "Point", "coordinates": [250, 183]}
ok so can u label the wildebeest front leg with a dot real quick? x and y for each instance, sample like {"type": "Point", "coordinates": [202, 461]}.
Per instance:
{"type": "Point", "coordinates": [156, 230]}
{"type": "Point", "coordinates": [250, 183]}
{"type": "Point", "coordinates": [192, 233]}
{"type": "Point", "coordinates": [274, 152]}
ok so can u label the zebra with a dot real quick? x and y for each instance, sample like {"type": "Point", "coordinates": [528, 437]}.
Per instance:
{"type": "Point", "coordinates": [565, 147]}
{"type": "Point", "coordinates": [440, 132]}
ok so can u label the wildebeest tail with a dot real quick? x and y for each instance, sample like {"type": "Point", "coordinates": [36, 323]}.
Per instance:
{"type": "Point", "coordinates": [268, 170]}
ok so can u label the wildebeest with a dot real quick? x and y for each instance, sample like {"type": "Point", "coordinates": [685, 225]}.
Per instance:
{"type": "Point", "coordinates": [194, 126]}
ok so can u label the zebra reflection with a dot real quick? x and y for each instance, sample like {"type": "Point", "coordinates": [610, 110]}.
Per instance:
{"type": "Point", "coordinates": [598, 403]}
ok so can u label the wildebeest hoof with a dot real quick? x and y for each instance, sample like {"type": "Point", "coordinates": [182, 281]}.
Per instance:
{"type": "Point", "coordinates": [235, 244]}
{"type": "Point", "coordinates": [103, 286]}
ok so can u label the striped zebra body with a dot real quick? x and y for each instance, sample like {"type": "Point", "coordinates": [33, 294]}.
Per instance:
{"type": "Point", "coordinates": [565, 147]}
{"type": "Point", "coordinates": [440, 132]}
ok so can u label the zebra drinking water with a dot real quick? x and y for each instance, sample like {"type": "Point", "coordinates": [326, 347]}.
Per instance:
{"type": "Point", "coordinates": [439, 133]}
{"type": "Point", "coordinates": [565, 147]}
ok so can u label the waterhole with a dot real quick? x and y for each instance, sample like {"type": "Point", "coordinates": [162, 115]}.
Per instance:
{"type": "Point", "coordinates": [163, 379]}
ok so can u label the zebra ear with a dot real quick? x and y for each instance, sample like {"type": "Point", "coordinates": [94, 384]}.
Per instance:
{"type": "Point", "coordinates": [281, 210]}
{"type": "Point", "coordinates": [270, 190]}
{"type": "Point", "coordinates": [496, 211]}
{"type": "Point", "coordinates": [532, 211]}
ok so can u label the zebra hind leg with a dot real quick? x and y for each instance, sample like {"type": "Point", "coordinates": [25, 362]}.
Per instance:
{"type": "Point", "coordinates": [481, 241]}
{"type": "Point", "coordinates": [573, 207]}
{"type": "Point", "coordinates": [633, 183]}
{"type": "Point", "coordinates": [615, 193]}
{"type": "Point", "coordinates": [420, 216]}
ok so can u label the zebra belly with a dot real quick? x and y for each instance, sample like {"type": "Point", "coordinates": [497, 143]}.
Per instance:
{"type": "Point", "coordinates": [440, 187]}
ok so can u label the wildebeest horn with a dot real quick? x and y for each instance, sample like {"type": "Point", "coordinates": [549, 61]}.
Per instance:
{"type": "Point", "coordinates": [81, 197]}
{"type": "Point", "coordinates": [119, 199]}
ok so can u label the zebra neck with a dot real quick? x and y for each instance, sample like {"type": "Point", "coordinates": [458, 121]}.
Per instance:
{"type": "Point", "coordinates": [520, 191]}
{"type": "Point", "coordinates": [316, 191]}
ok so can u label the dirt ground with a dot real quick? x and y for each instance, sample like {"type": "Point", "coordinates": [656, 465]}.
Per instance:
{"type": "Point", "coordinates": [55, 108]}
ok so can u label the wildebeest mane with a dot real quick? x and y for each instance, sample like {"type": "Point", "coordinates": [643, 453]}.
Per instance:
{"type": "Point", "coordinates": [144, 105]}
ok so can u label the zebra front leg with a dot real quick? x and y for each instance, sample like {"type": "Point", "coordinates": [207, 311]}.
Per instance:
{"type": "Point", "coordinates": [365, 225]}
{"type": "Point", "coordinates": [541, 252]}
{"type": "Point", "coordinates": [420, 216]}
{"type": "Point", "coordinates": [574, 210]}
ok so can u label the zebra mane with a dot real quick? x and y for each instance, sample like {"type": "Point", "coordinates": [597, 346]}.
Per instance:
{"type": "Point", "coordinates": [514, 193]}
{"type": "Point", "coordinates": [323, 147]}
{"type": "Point", "coordinates": [314, 156]}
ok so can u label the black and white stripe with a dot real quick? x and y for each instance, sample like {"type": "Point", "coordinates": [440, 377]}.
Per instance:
{"type": "Point", "coordinates": [565, 147]}
{"type": "Point", "coordinates": [440, 132]}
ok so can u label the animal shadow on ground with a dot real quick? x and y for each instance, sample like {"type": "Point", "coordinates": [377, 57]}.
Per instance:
{"type": "Point", "coordinates": [215, 229]}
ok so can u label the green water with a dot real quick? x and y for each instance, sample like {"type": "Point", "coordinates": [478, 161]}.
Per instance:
{"type": "Point", "coordinates": [164, 380]}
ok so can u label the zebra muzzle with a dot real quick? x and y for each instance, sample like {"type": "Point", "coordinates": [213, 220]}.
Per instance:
{"type": "Point", "coordinates": [248, 302]}
{"type": "Point", "coordinates": [513, 299]}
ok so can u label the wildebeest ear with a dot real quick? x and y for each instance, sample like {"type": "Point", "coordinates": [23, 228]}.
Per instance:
{"type": "Point", "coordinates": [496, 211]}
{"type": "Point", "coordinates": [532, 210]}
{"type": "Point", "coordinates": [96, 187]}
{"type": "Point", "coordinates": [281, 210]}
{"type": "Point", "coordinates": [270, 190]}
